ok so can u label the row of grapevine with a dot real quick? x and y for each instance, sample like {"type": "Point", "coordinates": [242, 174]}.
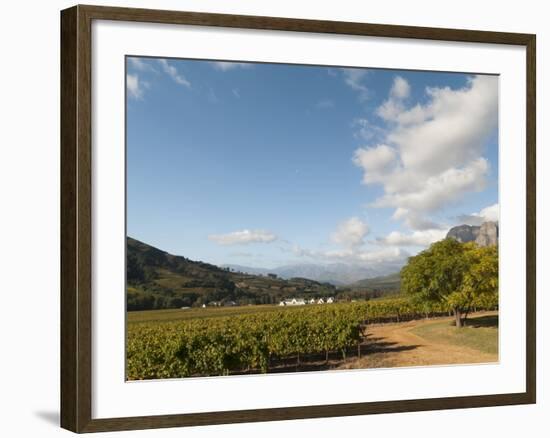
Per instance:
{"type": "Point", "coordinates": [217, 346]}
{"type": "Point", "coordinates": [400, 309]}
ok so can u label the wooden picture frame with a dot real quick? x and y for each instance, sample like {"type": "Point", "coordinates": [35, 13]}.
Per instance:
{"type": "Point", "coordinates": [76, 217]}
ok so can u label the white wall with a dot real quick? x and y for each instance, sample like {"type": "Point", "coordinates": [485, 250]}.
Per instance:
{"type": "Point", "coordinates": [29, 240]}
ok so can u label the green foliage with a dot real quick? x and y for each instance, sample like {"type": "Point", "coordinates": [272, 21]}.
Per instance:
{"type": "Point", "coordinates": [458, 276]}
{"type": "Point", "coordinates": [480, 285]}
{"type": "Point", "coordinates": [216, 345]}
{"type": "Point", "coordinates": [178, 281]}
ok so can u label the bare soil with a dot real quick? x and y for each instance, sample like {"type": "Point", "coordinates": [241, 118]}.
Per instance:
{"type": "Point", "coordinates": [394, 345]}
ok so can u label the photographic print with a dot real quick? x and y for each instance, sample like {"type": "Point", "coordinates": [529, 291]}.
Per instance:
{"type": "Point", "coordinates": [292, 218]}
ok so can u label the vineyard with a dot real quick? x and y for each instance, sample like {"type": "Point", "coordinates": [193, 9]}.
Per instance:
{"type": "Point", "coordinates": [253, 342]}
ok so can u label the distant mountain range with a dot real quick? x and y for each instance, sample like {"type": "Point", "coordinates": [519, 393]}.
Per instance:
{"type": "Point", "coordinates": [338, 274]}
{"type": "Point", "coordinates": [156, 279]}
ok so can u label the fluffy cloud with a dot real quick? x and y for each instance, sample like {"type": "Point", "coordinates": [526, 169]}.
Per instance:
{"type": "Point", "coordinates": [416, 221]}
{"type": "Point", "coordinates": [451, 129]}
{"type": "Point", "coordinates": [350, 233]}
{"type": "Point", "coordinates": [394, 105]}
{"type": "Point", "coordinates": [350, 237]}
{"type": "Point", "coordinates": [432, 153]}
{"type": "Point", "coordinates": [134, 86]}
{"type": "Point", "coordinates": [400, 89]}
{"type": "Point", "coordinates": [226, 66]}
{"type": "Point", "coordinates": [416, 238]}
{"type": "Point", "coordinates": [375, 161]}
{"type": "Point", "coordinates": [243, 237]}
{"type": "Point", "coordinates": [353, 77]}
{"type": "Point", "coordinates": [172, 71]}
{"type": "Point", "coordinates": [438, 190]}
{"type": "Point", "coordinates": [490, 213]}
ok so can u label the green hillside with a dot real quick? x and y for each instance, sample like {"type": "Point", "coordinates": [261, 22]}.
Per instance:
{"type": "Point", "coordinates": [158, 280]}
{"type": "Point", "coordinates": [386, 285]}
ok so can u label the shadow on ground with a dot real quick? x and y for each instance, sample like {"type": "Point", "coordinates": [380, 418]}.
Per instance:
{"type": "Point", "coordinates": [379, 345]}
{"type": "Point", "coordinates": [317, 362]}
{"type": "Point", "coordinates": [489, 321]}
{"type": "Point", "coordinates": [483, 321]}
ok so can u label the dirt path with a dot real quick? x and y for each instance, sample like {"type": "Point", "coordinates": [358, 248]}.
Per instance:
{"type": "Point", "coordinates": [394, 345]}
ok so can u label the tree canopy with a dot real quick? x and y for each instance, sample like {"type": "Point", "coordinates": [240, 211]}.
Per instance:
{"type": "Point", "coordinates": [458, 275]}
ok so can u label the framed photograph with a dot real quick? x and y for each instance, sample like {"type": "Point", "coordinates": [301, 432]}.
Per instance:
{"type": "Point", "coordinates": [270, 218]}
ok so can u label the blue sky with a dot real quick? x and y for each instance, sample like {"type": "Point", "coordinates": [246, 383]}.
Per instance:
{"type": "Point", "coordinates": [268, 164]}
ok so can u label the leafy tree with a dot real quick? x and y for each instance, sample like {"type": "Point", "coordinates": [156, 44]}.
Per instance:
{"type": "Point", "coordinates": [456, 275]}
{"type": "Point", "coordinates": [480, 283]}
{"type": "Point", "coordinates": [134, 270]}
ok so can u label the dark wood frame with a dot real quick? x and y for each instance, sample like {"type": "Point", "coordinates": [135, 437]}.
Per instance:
{"type": "Point", "coordinates": [76, 238]}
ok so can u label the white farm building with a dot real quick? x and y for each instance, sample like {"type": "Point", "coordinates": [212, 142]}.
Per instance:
{"type": "Point", "coordinates": [293, 302]}
{"type": "Point", "coordinates": [303, 302]}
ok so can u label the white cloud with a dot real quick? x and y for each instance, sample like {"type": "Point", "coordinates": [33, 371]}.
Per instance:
{"type": "Point", "coordinates": [350, 233]}
{"type": "Point", "coordinates": [487, 214]}
{"type": "Point", "coordinates": [490, 213]}
{"type": "Point", "coordinates": [353, 77]}
{"type": "Point", "coordinates": [382, 256]}
{"type": "Point", "coordinates": [394, 105]}
{"type": "Point", "coordinates": [432, 153]}
{"type": "Point", "coordinates": [172, 71]}
{"type": "Point", "coordinates": [350, 238]}
{"type": "Point", "coordinates": [439, 190]}
{"type": "Point", "coordinates": [134, 86]}
{"type": "Point", "coordinates": [378, 256]}
{"type": "Point", "coordinates": [365, 130]}
{"type": "Point", "coordinates": [226, 66]}
{"type": "Point", "coordinates": [375, 161]}
{"type": "Point", "coordinates": [356, 256]}
{"type": "Point", "coordinates": [451, 129]}
{"type": "Point", "coordinates": [416, 221]}
{"type": "Point", "coordinates": [243, 237]}
{"type": "Point", "coordinates": [400, 89]}
{"type": "Point", "coordinates": [416, 238]}
{"type": "Point", "coordinates": [141, 64]}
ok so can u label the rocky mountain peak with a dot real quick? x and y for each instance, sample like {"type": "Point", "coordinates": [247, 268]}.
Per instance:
{"type": "Point", "coordinates": [485, 234]}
